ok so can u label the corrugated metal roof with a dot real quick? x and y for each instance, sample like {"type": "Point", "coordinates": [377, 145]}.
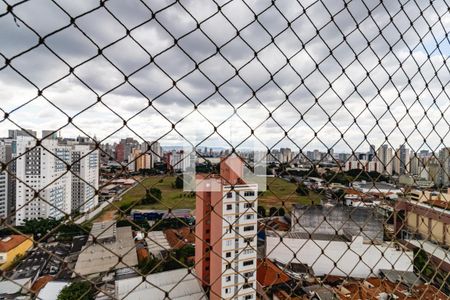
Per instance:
{"type": "Point", "coordinates": [179, 284]}
{"type": "Point", "coordinates": [157, 242]}
{"type": "Point", "coordinates": [51, 290]}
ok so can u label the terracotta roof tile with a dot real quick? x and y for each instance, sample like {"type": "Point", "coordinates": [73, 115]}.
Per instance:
{"type": "Point", "coordinates": [11, 242]}
{"type": "Point", "coordinates": [270, 274]}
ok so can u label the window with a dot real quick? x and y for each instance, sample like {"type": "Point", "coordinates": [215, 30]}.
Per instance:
{"type": "Point", "coordinates": [249, 228]}
{"type": "Point", "coordinates": [228, 266]}
{"type": "Point", "coordinates": [229, 195]}
{"type": "Point", "coordinates": [249, 193]}
{"type": "Point", "coordinates": [227, 290]}
{"type": "Point", "coordinates": [228, 254]}
{"type": "Point", "coordinates": [249, 217]}
{"type": "Point", "coordinates": [229, 207]}
{"type": "Point", "coordinates": [247, 251]}
{"type": "Point", "coordinates": [248, 274]}
{"type": "Point", "coordinates": [228, 279]}
{"type": "Point", "coordinates": [247, 285]}
{"type": "Point", "coordinates": [248, 240]}
{"type": "Point", "coordinates": [248, 205]}
{"type": "Point", "coordinates": [248, 297]}
{"type": "Point", "coordinates": [228, 242]}
{"type": "Point", "coordinates": [247, 263]}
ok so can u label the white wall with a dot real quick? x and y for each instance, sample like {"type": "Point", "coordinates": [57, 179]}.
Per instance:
{"type": "Point", "coordinates": [345, 254]}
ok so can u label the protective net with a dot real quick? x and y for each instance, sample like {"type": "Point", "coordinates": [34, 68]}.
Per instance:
{"type": "Point", "coordinates": [240, 149]}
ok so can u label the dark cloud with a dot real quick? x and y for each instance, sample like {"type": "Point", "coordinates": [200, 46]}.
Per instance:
{"type": "Point", "coordinates": [362, 60]}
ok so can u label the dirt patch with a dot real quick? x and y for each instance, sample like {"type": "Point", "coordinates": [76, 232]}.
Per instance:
{"type": "Point", "coordinates": [107, 215]}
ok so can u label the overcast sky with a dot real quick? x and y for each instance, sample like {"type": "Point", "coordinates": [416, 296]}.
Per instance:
{"type": "Point", "coordinates": [276, 75]}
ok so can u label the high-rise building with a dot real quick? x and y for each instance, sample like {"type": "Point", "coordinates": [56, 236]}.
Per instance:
{"type": "Point", "coordinates": [286, 155]}
{"type": "Point", "coordinates": [43, 187]}
{"type": "Point", "coordinates": [225, 245]}
{"type": "Point", "coordinates": [85, 177]}
{"type": "Point", "coordinates": [444, 168]}
{"type": "Point", "coordinates": [7, 182]}
{"type": "Point", "coordinates": [403, 160]}
{"type": "Point", "coordinates": [384, 156]}
{"type": "Point", "coordinates": [3, 193]}
{"type": "Point", "coordinates": [120, 153]}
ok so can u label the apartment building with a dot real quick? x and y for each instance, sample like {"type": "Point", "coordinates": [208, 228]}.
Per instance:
{"type": "Point", "coordinates": [384, 156]}
{"type": "Point", "coordinates": [85, 177]}
{"type": "Point", "coordinates": [226, 232]}
{"type": "Point", "coordinates": [426, 214]}
{"type": "Point", "coordinates": [3, 194]}
{"type": "Point", "coordinates": [443, 176]}
{"type": "Point", "coordinates": [42, 169]}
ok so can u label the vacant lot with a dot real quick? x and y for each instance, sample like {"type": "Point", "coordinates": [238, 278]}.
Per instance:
{"type": "Point", "coordinates": [279, 192]}
{"type": "Point", "coordinates": [171, 197]}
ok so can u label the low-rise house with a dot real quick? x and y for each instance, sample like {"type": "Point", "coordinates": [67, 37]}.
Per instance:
{"type": "Point", "coordinates": [178, 238]}
{"type": "Point", "coordinates": [13, 246]}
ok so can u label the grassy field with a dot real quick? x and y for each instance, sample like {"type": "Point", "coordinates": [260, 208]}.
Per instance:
{"type": "Point", "coordinates": [171, 197]}
{"type": "Point", "coordinates": [279, 191]}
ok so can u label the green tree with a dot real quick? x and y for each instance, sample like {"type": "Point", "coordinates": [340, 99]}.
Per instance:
{"type": "Point", "coordinates": [40, 227]}
{"type": "Point", "coordinates": [150, 265]}
{"type": "Point", "coordinates": [79, 290]}
{"type": "Point", "coordinates": [261, 212]}
{"type": "Point", "coordinates": [302, 190]}
{"type": "Point", "coordinates": [179, 182]}
{"type": "Point", "coordinates": [153, 195]}
{"type": "Point", "coordinates": [273, 212]}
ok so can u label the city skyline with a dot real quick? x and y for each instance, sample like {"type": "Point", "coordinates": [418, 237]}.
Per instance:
{"type": "Point", "coordinates": [244, 86]}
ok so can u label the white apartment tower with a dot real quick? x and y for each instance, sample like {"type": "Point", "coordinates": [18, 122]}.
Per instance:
{"type": "Point", "coordinates": [42, 169]}
{"type": "Point", "coordinates": [4, 177]}
{"type": "Point", "coordinates": [85, 177]}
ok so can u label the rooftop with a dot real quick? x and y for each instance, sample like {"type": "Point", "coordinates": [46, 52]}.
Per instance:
{"type": "Point", "coordinates": [157, 242]}
{"type": "Point", "coordinates": [178, 238]}
{"type": "Point", "coordinates": [338, 220]}
{"type": "Point", "coordinates": [269, 274]}
{"type": "Point", "coordinates": [103, 230]}
{"type": "Point", "coordinates": [10, 242]}
{"type": "Point", "coordinates": [178, 284]}
{"type": "Point", "coordinates": [98, 258]}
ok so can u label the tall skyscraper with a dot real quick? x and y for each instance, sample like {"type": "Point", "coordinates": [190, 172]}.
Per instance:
{"type": "Point", "coordinates": [225, 245]}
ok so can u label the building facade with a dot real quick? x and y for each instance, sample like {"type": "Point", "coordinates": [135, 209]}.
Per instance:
{"type": "Point", "coordinates": [85, 177]}
{"type": "Point", "coordinates": [43, 186]}
{"type": "Point", "coordinates": [226, 233]}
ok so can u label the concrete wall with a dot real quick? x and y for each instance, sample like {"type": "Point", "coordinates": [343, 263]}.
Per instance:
{"type": "Point", "coordinates": [346, 255]}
